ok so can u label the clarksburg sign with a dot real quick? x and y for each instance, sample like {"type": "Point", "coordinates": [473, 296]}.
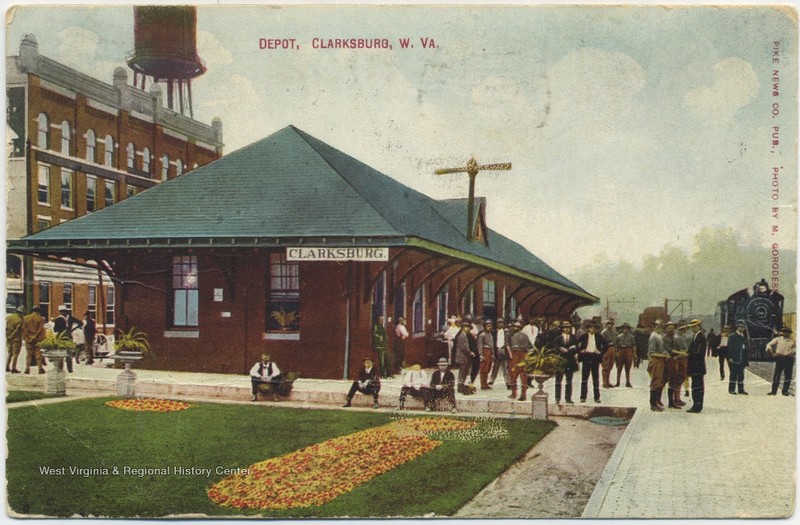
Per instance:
{"type": "Point", "coordinates": [337, 254]}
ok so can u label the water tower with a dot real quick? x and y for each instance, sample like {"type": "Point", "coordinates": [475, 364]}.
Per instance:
{"type": "Point", "coordinates": [165, 50]}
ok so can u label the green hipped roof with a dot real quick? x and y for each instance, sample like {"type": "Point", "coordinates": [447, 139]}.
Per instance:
{"type": "Point", "coordinates": [292, 185]}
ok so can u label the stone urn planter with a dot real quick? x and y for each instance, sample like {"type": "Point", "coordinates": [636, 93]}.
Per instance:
{"type": "Point", "coordinates": [126, 380]}
{"type": "Point", "coordinates": [56, 375]}
{"type": "Point", "coordinates": [539, 407]}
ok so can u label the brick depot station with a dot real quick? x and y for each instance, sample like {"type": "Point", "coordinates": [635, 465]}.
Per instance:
{"type": "Point", "coordinates": [292, 247]}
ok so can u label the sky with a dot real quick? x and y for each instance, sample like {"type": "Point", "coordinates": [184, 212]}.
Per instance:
{"type": "Point", "coordinates": [628, 128]}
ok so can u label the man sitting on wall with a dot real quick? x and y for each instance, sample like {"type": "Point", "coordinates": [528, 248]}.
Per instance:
{"type": "Point", "coordinates": [264, 372]}
{"type": "Point", "coordinates": [442, 386]}
{"type": "Point", "coordinates": [367, 382]}
{"type": "Point", "coordinates": [416, 384]}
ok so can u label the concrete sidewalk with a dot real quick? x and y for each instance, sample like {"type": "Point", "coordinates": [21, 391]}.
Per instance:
{"type": "Point", "coordinates": [736, 459]}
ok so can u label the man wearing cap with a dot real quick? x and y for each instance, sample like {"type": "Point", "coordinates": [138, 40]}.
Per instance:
{"type": "Point", "coordinates": [415, 383]}
{"type": "Point", "coordinates": [722, 350]}
{"type": "Point", "coordinates": [66, 324]}
{"type": "Point", "coordinates": [610, 337]}
{"type": "Point", "coordinates": [368, 381]}
{"type": "Point", "coordinates": [32, 333]}
{"type": "Point", "coordinates": [14, 338]}
{"type": "Point", "coordinates": [567, 347]}
{"type": "Point", "coordinates": [520, 345]}
{"type": "Point", "coordinates": [502, 352]}
{"type": "Point", "coordinates": [657, 357]}
{"type": "Point", "coordinates": [462, 354]}
{"type": "Point", "coordinates": [673, 344]}
{"type": "Point", "coordinates": [696, 365]}
{"type": "Point", "coordinates": [738, 358]}
{"type": "Point", "coordinates": [625, 346]}
{"type": "Point", "coordinates": [783, 350]}
{"type": "Point", "coordinates": [442, 386]}
{"type": "Point", "coordinates": [486, 349]}
{"type": "Point", "coordinates": [685, 338]}
{"type": "Point", "coordinates": [591, 348]}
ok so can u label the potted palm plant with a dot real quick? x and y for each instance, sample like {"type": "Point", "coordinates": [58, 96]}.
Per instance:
{"type": "Point", "coordinates": [286, 320]}
{"type": "Point", "coordinates": [540, 364]}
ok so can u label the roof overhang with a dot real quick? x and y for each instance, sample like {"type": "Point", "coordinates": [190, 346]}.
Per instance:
{"type": "Point", "coordinates": [97, 248]}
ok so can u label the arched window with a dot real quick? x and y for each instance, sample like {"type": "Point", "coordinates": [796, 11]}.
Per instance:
{"type": "Point", "coordinates": [65, 138]}
{"type": "Point", "coordinates": [108, 159]}
{"type": "Point", "coordinates": [178, 167]}
{"type": "Point", "coordinates": [91, 146]}
{"type": "Point", "coordinates": [131, 155]}
{"type": "Point", "coordinates": [164, 166]}
{"type": "Point", "coordinates": [43, 136]}
{"type": "Point", "coordinates": [146, 160]}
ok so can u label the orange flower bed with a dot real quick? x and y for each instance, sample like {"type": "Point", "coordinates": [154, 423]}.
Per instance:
{"type": "Point", "coordinates": [148, 404]}
{"type": "Point", "coordinates": [319, 473]}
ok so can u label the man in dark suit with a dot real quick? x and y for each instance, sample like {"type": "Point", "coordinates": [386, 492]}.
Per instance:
{"type": "Point", "coordinates": [65, 324]}
{"type": "Point", "coordinates": [367, 382]}
{"type": "Point", "coordinates": [567, 347]}
{"type": "Point", "coordinates": [442, 386]}
{"type": "Point", "coordinates": [738, 358]}
{"type": "Point", "coordinates": [696, 367]}
{"type": "Point", "coordinates": [591, 348]}
{"type": "Point", "coordinates": [502, 353]}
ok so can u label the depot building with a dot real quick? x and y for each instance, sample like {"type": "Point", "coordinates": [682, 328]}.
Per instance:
{"type": "Point", "coordinates": [290, 246]}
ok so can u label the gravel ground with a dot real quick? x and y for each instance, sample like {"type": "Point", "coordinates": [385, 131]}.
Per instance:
{"type": "Point", "coordinates": [554, 479]}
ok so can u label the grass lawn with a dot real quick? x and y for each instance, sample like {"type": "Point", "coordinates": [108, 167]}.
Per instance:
{"type": "Point", "coordinates": [16, 396]}
{"type": "Point", "coordinates": [86, 434]}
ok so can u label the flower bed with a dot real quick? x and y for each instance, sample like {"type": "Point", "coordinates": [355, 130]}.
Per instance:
{"type": "Point", "coordinates": [317, 474]}
{"type": "Point", "coordinates": [148, 404]}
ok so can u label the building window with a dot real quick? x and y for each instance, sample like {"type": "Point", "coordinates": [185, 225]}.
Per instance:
{"type": "Point", "coordinates": [91, 193]}
{"type": "Point", "coordinates": [42, 223]}
{"type": "Point", "coordinates": [67, 296]}
{"type": "Point", "coordinates": [379, 297]}
{"type": "Point", "coordinates": [44, 297]}
{"type": "Point", "coordinates": [489, 299]}
{"type": "Point", "coordinates": [418, 312]}
{"type": "Point", "coordinates": [469, 301]}
{"type": "Point", "coordinates": [146, 160]}
{"type": "Point", "coordinates": [400, 302]}
{"type": "Point", "coordinates": [65, 138]}
{"type": "Point", "coordinates": [108, 151]}
{"type": "Point", "coordinates": [111, 192]}
{"type": "Point", "coordinates": [131, 152]}
{"type": "Point", "coordinates": [43, 131]}
{"type": "Point", "coordinates": [91, 146]}
{"type": "Point", "coordinates": [91, 300]}
{"type": "Point", "coordinates": [283, 308]}
{"type": "Point", "coordinates": [441, 309]}
{"type": "Point", "coordinates": [184, 291]}
{"type": "Point", "coordinates": [512, 308]}
{"type": "Point", "coordinates": [110, 305]}
{"type": "Point", "coordinates": [178, 167]}
{"type": "Point", "coordinates": [67, 189]}
{"type": "Point", "coordinates": [13, 266]}
{"type": "Point", "coordinates": [164, 167]}
{"type": "Point", "coordinates": [43, 191]}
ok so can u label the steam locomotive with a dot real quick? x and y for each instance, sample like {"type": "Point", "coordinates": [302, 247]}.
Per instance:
{"type": "Point", "coordinates": [761, 309]}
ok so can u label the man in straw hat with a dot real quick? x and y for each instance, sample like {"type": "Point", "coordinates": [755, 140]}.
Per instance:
{"type": "Point", "coordinates": [783, 350]}
{"type": "Point", "coordinates": [415, 383]}
{"type": "Point", "coordinates": [696, 365]}
{"type": "Point", "coordinates": [520, 345]}
{"type": "Point", "coordinates": [442, 386]}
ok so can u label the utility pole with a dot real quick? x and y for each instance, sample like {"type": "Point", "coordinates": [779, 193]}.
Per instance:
{"type": "Point", "coordinates": [681, 303]}
{"type": "Point", "coordinates": [472, 168]}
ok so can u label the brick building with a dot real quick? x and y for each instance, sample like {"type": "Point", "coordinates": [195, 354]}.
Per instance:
{"type": "Point", "coordinates": [78, 145]}
{"type": "Point", "coordinates": [298, 254]}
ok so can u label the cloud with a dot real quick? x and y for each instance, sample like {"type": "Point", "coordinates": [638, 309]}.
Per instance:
{"type": "Point", "coordinates": [211, 51]}
{"type": "Point", "coordinates": [77, 45]}
{"type": "Point", "coordinates": [733, 86]}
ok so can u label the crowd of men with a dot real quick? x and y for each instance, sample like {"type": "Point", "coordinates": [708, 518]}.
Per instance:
{"type": "Point", "coordinates": [675, 355]}
{"type": "Point", "coordinates": [31, 330]}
